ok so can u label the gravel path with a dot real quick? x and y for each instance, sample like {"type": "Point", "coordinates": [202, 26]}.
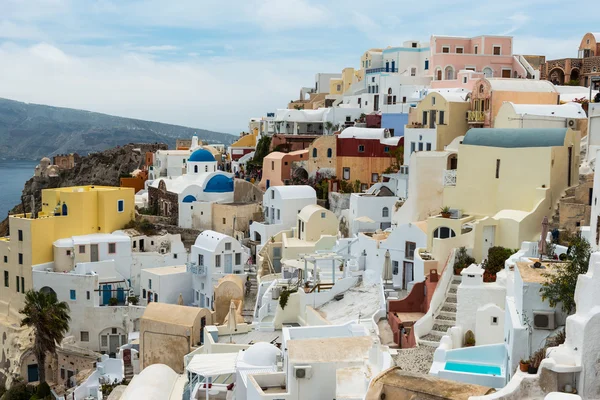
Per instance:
{"type": "Point", "coordinates": [418, 359]}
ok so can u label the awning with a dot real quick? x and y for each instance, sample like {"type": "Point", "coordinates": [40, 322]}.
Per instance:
{"type": "Point", "coordinates": [211, 365]}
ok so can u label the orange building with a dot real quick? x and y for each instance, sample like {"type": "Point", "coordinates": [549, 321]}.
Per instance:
{"type": "Point", "coordinates": [136, 182]}
{"type": "Point", "coordinates": [277, 167]}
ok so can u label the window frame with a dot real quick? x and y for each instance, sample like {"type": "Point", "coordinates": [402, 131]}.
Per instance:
{"type": "Point", "coordinates": [114, 244]}
{"type": "Point", "coordinates": [445, 48]}
{"type": "Point", "coordinates": [73, 294]}
{"type": "Point", "coordinates": [120, 205]}
{"type": "Point", "coordinates": [497, 46]}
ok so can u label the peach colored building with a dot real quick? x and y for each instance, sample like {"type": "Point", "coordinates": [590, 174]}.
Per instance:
{"type": "Point", "coordinates": [489, 94]}
{"type": "Point", "coordinates": [277, 167]}
{"type": "Point", "coordinates": [489, 55]}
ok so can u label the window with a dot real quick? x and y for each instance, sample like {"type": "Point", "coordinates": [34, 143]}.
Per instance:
{"type": "Point", "coordinates": [82, 248]}
{"type": "Point", "coordinates": [156, 297]}
{"type": "Point", "coordinates": [73, 294]}
{"type": "Point", "coordinates": [426, 64]}
{"type": "Point", "coordinates": [6, 283]}
{"type": "Point", "coordinates": [175, 256]}
{"type": "Point", "coordinates": [346, 173]}
{"type": "Point", "coordinates": [224, 221]}
{"type": "Point", "coordinates": [88, 295]}
{"type": "Point", "coordinates": [409, 250]}
{"type": "Point", "coordinates": [206, 168]}
{"type": "Point", "coordinates": [20, 258]}
{"type": "Point", "coordinates": [201, 286]}
{"type": "Point", "coordinates": [104, 341]}
{"type": "Point", "coordinates": [339, 88]}
{"type": "Point", "coordinates": [441, 121]}
{"type": "Point", "coordinates": [446, 49]}
{"type": "Point", "coordinates": [361, 148]}
{"type": "Point", "coordinates": [488, 73]}
{"type": "Point", "coordinates": [385, 212]}
{"type": "Point", "coordinates": [22, 285]}
{"type": "Point", "coordinates": [120, 205]}
{"type": "Point", "coordinates": [329, 153]}
{"type": "Point", "coordinates": [412, 147]}
{"type": "Point", "coordinates": [443, 232]}
{"type": "Point", "coordinates": [420, 146]}
{"type": "Point", "coordinates": [217, 261]}
{"type": "Point", "coordinates": [374, 178]}
{"type": "Point", "coordinates": [228, 245]}
{"type": "Point", "coordinates": [373, 79]}
{"type": "Point", "coordinates": [143, 293]}
{"type": "Point", "coordinates": [272, 194]}
{"type": "Point", "coordinates": [84, 336]}
{"type": "Point", "coordinates": [112, 248]}
{"type": "Point", "coordinates": [68, 252]}
{"type": "Point", "coordinates": [386, 149]}
{"type": "Point", "coordinates": [433, 100]}
{"type": "Point", "coordinates": [414, 45]}
{"type": "Point", "coordinates": [465, 79]}
{"type": "Point", "coordinates": [314, 153]}
{"type": "Point", "coordinates": [428, 146]}
{"type": "Point", "coordinates": [273, 165]}
{"type": "Point", "coordinates": [494, 320]}
{"type": "Point", "coordinates": [149, 283]}
{"type": "Point", "coordinates": [459, 50]}
{"type": "Point", "coordinates": [20, 235]}
{"type": "Point", "coordinates": [62, 373]}
{"type": "Point", "coordinates": [497, 50]}
{"type": "Point", "coordinates": [413, 71]}
{"type": "Point", "coordinates": [475, 49]}
{"type": "Point", "coordinates": [18, 284]}
{"type": "Point", "coordinates": [395, 267]}
{"type": "Point", "coordinates": [424, 118]}
{"type": "Point", "coordinates": [5, 259]}
{"type": "Point", "coordinates": [278, 213]}
{"type": "Point", "coordinates": [238, 258]}
{"type": "Point", "coordinates": [195, 169]}
{"type": "Point", "coordinates": [267, 212]}
{"type": "Point", "coordinates": [497, 169]}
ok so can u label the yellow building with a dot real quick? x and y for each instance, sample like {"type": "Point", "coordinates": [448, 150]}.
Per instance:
{"type": "Point", "coordinates": [65, 212]}
{"type": "Point", "coordinates": [507, 181]}
{"type": "Point", "coordinates": [339, 86]}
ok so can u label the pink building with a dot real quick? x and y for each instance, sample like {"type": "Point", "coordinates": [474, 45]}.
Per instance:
{"type": "Point", "coordinates": [489, 56]}
{"type": "Point", "coordinates": [277, 167]}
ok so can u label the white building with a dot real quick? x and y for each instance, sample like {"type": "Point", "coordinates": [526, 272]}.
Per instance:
{"type": "Point", "coordinates": [593, 137]}
{"type": "Point", "coordinates": [213, 256]}
{"type": "Point", "coordinates": [377, 205]}
{"type": "Point", "coordinates": [166, 284]}
{"type": "Point", "coordinates": [281, 205]}
{"type": "Point", "coordinates": [511, 115]}
{"type": "Point", "coordinates": [314, 122]}
{"type": "Point", "coordinates": [322, 81]}
{"type": "Point", "coordinates": [402, 243]}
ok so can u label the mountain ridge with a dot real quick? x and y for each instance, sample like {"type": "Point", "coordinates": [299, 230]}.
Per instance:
{"type": "Point", "coordinates": [68, 130]}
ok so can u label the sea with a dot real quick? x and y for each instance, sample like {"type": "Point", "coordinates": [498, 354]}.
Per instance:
{"type": "Point", "coordinates": [14, 174]}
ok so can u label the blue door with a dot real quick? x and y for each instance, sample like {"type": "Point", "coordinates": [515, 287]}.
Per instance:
{"type": "Point", "coordinates": [387, 66]}
{"type": "Point", "coordinates": [393, 66]}
{"type": "Point", "coordinates": [120, 295]}
{"type": "Point", "coordinates": [33, 374]}
{"type": "Point", "coordinates": [268, 183]}
{"type": "Point", "coordinates": [106, 294]}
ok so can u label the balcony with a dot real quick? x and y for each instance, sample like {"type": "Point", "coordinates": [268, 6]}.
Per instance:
{"type": "Point", "coordinates": [450, 177]}
{"type": "Point", "coordinates": [476, 117]}
{"type": "Point", "coordinates": [196, 269]}
{"type": "Point", "coordinates": [377, 70]}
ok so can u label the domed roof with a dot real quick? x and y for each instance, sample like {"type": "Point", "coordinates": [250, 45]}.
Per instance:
{"type": "Point", "coordinates": [201, 155]}
{"type": "Point", "coordinates": [189, 199]}
{"type": "Point", "coordinates": [261, 354]}
{"type": "Point", "coordinates": [219, 184]}
{"type": "Point", "coordinates": [46, 159]}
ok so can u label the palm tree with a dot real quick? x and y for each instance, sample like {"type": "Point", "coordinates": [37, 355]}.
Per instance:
{"type": "Point", "coordinates": [49, 319]}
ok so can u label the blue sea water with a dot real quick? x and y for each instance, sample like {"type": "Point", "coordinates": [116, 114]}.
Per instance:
{"type": "Point", "coordinates": [14, 174]}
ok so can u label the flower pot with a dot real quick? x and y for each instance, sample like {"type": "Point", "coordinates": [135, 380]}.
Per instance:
{"type": "Point", "coordinates": [523, 367]}
{"type": "Point", "coordinates": [532, 370]}
{"type": "Point", "coordinates": [457, 271]}
{"type": "Point", "coordinates": [446, 215]}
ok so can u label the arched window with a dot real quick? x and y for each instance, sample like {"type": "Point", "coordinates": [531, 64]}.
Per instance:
{"type": "Point", "coordinates": [329, 153]}
{"type": "Point", "coordinates": [385, 213]}
{"type": "Point", "coordinates": [65, 211]}
{"type": "Point", "coordinates": [443, 232]}
{"type": "Point", "coordinates": [314, 152]}
{"type": "Point", "coordinates": [488, 72]}
{"type": "Point", "coordinates": [449, 73]}
{"type": "Point", "coordinates": [195, 169]}
{"type": "Point", "coordinates": [390, 91]}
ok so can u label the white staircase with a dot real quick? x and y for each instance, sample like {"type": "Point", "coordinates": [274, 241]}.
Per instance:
{"type": "Point", "coordinates": [445, 318]}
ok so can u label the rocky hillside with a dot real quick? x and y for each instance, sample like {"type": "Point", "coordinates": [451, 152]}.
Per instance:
{"type": "Point", "coordinates": [33, 131]}
{"type": "Point", "coordinates": [103, 168]}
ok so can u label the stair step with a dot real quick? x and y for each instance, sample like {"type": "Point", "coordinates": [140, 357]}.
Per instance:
{"type": "Point", "coordinates": [450, 296]}
{"type": "Point", "coordinates": [443, 328]}
{"type": "Point", "coordinates": [430, 338]}
{"type": "Point", "coordinates": [449, 308]}
{"type": "Point", "coordinates": [451, 299]}
{"type": "Point", "coordinates": [429, 343]}
{"type": "Point", "coordinates": [452, 290]}
{"type": "Point", "coordinates": [445, 320]}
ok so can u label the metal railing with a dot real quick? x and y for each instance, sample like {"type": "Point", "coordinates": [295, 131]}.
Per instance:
{"type": "Point", "coordinates": [476, 116]}
{"type": "Point", "coordinates": [196, 269]}
{"type": "Point", "coordinates": [450, 177]}
{"type": "Point", "coordinates": [383, 69]}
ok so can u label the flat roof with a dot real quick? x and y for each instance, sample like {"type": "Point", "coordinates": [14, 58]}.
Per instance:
{"type": "Point", "coordinates": [329, 350]}
{"type": "Point", "coordinates": [176, 269]}
{"type": "Point", "coordinates": [171, 314]}
{"type": "Point", "coordinates": [535, 275]}
{"type": "Point", "coordinates": [254, 336]}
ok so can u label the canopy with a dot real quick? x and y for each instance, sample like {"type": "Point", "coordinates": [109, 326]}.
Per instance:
{"type": "Point", "coordinates": [212, 365]}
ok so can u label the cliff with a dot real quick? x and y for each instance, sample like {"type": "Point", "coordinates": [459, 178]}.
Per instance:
{"type": "Point", "coordinates": [102, 168]}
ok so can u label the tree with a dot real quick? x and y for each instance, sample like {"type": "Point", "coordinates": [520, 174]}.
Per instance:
{"type": "Point", "coordinates": [328, 127]}
{"type": "Point", "coordinates": [49, 319]}
{"type": "Point", "coordinates": [262, 149]}
{"type": "Point", "coordinates": [559, 287]}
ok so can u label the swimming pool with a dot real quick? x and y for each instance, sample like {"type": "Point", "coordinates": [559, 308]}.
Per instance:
{"type": "Point", "coordinates": [481, 369]}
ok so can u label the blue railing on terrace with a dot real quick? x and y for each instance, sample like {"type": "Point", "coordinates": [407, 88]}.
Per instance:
{"type": "Point", "coordinates": [383, 69]}
{"type": "Point", "coordinates": [196, 269]}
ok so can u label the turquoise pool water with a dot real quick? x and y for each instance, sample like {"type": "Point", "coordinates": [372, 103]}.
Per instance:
{"type": "Point", "coordinates": [473, 368]}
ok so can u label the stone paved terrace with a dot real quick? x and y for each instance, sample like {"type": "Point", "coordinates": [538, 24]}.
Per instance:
{"type": "Point", "coordinates": [418, 359]}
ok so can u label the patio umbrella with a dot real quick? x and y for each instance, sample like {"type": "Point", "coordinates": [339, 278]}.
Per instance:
{"type": "Point", "coordinates": [542, 245]}
{"type": "Point", "coordinates": [387, 266]}
{"type": "Point", "coordinates": [231, 321]}
{"type": "Point", "coordinates": [180, 299]}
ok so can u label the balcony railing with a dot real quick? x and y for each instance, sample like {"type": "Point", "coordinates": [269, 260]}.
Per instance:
{"type": "Point", "coordinates": [377, 70]}
{"type": "Point", "coordinates": [450, 177]}
{"type": "Point", "coordinates": [476, 116]}
{"type": "Point", "coordinates": [196, 269]}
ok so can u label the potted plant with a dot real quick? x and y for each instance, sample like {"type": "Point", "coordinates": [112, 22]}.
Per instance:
{"type": "Point", "coordinates": [445, 211]}
{"type": "Point", "coordinates": [469, 339]}
{"type": "Point", "coordinates": [536, 360]}
{"type": "Point", "coordinates": [524, 365]}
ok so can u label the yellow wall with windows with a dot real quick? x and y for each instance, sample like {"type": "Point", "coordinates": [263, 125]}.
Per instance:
{"type": "Point", "coordinates": [336, 86]}
{"type": "Point", "coordinates": [363, 168]}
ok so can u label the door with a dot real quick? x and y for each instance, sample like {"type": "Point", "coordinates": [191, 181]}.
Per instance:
{"type": "Point", "coordinates": [376, 102]}
{"type": "Point", "coordinates": [569, 166]}
{"type": "Point", "coordinates": [141, 244]}
{"type": "Point", "coordinates": [106, 294]}
{"type": "Point", "coordinates": [506, 73]}
{"type": "Point", "coordinates": [432, 118]}
{"type": "Point", "coordinates": [94, 252]}
{"type": "Point", "coordinates": [33, 374]}
{"type": "Point", "coordinates": [228, 264]}
{"type": "Point", "coordinates": [439, 74]}
{"type": "Point", "coordinates": [407, 274]}
{"type": "Point", "coordinates": [268, 183]}
{"type": "Point", "coordinates": [489, 234]}
{"type": "Point", "coordinates": [277, 259]}
{"type": "Point", "coordinates": [113, 344]}
{"type": "Point", "coordinates": [202, 325]}
{"type": "Point", "coordinates": [120, 295]}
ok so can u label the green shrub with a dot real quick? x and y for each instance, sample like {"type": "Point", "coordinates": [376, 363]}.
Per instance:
{"type": "Point", "coordinates": [43, 390]}
{"type": "Point", "coordinates": [462, 259]}
{"type": "Point", "coordinates": [469, 338]}
{"type": "Point", "coordinates": [113, 301]}
{"type": "Point", "coordinates": [133, 300]}
{"type": "Point", "coordinates": [284, 297]}
{"type": "Point", "coordinates": [497, 256]}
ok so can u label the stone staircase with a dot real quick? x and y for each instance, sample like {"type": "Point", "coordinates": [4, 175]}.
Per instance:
{"type": "Point", "coordinates": [250, 299]}
{"type": "Point", "coordinates": [445, 319]}
{"type": "Point", "coordinates": [128, 372]}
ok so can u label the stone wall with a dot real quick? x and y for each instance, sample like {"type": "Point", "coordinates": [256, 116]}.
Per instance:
{"type": "Point", "coordinates": [339, 202]}
{"type": "Point", "coordinates": [246, 192]}
{"type": "Point", "coordinates": [166, 203]}
{"type": "Point", "coordinates": [575, 208]}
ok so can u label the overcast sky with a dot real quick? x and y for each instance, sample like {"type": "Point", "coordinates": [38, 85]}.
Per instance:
{"type": "Point", "coordinates": [214, 64]}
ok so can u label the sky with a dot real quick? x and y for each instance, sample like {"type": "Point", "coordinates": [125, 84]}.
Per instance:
{"type": "Point", "coordinates": [213, 64]}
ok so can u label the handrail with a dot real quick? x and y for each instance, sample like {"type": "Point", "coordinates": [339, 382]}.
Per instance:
{"type": "Point", "coordinates": [320, 286]}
